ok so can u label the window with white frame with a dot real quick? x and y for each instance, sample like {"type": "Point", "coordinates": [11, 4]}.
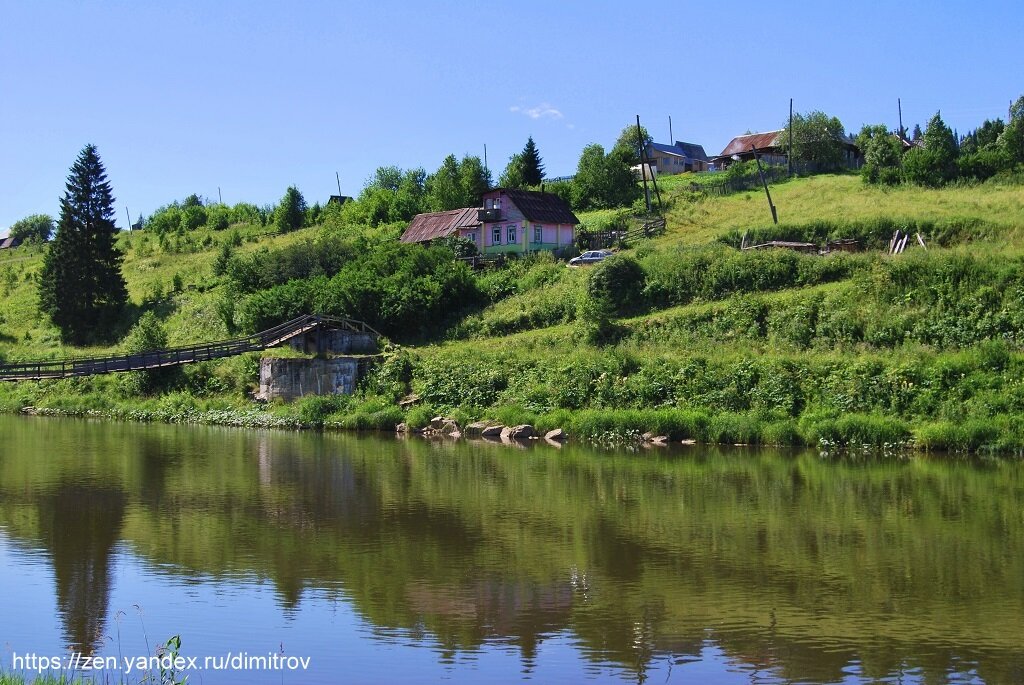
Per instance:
{"type": "Point", "coordinates": [471, 236]}
{"type": "Point", "coordinates": [511, 231]}
{"type": "Point", "coordinates": [538, 234]}
{"type": "Point", "coordinates": [496, 236]}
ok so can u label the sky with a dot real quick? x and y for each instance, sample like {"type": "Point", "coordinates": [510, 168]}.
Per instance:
{"type": "Point", "coordinates": [239, 100]}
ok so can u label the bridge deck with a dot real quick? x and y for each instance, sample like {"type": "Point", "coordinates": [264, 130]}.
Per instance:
{"type": "Point", "coordinates": [155, 359]}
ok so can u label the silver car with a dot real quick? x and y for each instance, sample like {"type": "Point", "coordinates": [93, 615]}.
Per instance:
{"type": "Point", "coordinates": [590, 257]}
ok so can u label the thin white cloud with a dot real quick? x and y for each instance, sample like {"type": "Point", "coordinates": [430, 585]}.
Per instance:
{"type": "Point", "coordinates": [542, 111]}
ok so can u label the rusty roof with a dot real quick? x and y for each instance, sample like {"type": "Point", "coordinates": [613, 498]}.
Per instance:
{"type": "Point", "coordinates": [432, 225]}
{"type": "Point", "coordinates": [741, 144]}
{"type": "Point", "coordinates": [545, 208]}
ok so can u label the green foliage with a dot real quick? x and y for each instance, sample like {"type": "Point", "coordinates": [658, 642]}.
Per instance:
{"type": "Point", "coordinates": [935, 163]}
{"type": "Point", "coordinates": [456, 184]}
{"type": "Point", "coordinates": [617, 281]}
{"type": "Point", "coordinates": [512, 176]}
{"type": "Point", "coordinates": [682, 276]}
{"type": "Point", "coordinates": [223, 259]}
{"type": "Point", "coordinates": [603, 181]}
{"type": "Point", "coordinates": [818, 139]}
{"type": "Point", "coordinates": [265, 268]}
{"type": "Point", "coordinates": [391, 195]}
{"type": "Point", "coordinates": [883, 154]}
{"type": "Point", "coordinates": [629, 143]}
{"type": "Point", "coordinates": [291, 211]}
{"type": "Point", "coordinates": [147, 335]}
{"type": "Point", "coordinates": [870, 233]}
{"type": "Point", "coordinates": [1011, 140]}
{"type": "Point", "coordinates": [532, 167]}
{"type": "Point", "coordinates": [35, 228]}
{"type": "Point", "coordinates": [402, 290]}
{"type": "Point", "coordinates": [81, 287]}
{"type": "Point", "coordinates": [983, 164]}
{"type": "Point", "coordinates": [984, 137]}
{"type": "Point", "coordinates": [314, 410]}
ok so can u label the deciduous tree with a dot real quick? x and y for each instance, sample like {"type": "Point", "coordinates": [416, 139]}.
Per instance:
{"type": "Point", "coordinates": [818, 139]}
{"type": "Point", "coordinates": [291, 212]}
{"type": "Point", "coordinates": [34, 228]}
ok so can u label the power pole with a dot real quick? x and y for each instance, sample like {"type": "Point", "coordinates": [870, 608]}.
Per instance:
{"type": "Point", "coordinates": [789, 157]}
{"type": "Point", "coordinates": [220, 198]}
{"type": "Point", "coordinates": [643, 155]}
{"type": "Point", "coordinates": [337, 178]}
{"type": "Point", "coordinates": [671, 138]}
{"type": "Point", "coordinates": [760, 171]}
{"type": "Point", "coordinates": [129, 214]}
{"type": "Point", "coordinates": [643, 166]}
{"type": "Point", "coordinates": [899, 104]}
{"type": "Point", "coordinates": [487, 169]}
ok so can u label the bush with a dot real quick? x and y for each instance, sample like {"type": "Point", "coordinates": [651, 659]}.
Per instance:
{"type": "Point", "coordinates": [618, 283]}
{"type": "Point", "coordinates": [147, 335]}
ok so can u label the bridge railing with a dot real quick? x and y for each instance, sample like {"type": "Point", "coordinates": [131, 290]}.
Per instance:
{"type": "Point", "coordinates": [173, 356]}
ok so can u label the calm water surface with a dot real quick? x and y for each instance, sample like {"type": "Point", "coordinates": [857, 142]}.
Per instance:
{"type": "Point", "coordinates": [406, 561]}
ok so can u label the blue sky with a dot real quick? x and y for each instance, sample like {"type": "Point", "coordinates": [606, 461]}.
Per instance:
{"type": "Point", "coordinates": [251, 97]}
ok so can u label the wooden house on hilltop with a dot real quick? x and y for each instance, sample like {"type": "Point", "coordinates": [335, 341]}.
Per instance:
{"type": "Point", "coordinates": [510, 221]}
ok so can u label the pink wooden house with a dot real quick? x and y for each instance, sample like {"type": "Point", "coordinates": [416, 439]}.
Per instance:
{"type": "Point", "coordinates": [510, 221]}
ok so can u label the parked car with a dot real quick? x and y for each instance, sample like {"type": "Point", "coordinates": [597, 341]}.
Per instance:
{"type": "Point", "coordinates": [590, 257]}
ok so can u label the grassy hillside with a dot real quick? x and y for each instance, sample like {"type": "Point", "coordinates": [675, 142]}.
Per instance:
{"type": "Point", "coordinates": [704, 342]}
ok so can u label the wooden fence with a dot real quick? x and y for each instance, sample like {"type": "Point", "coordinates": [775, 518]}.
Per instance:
{"type": "Point", "coordinates": [597, 240]}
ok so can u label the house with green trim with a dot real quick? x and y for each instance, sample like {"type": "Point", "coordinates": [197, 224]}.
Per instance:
{"type": "Point", "coordinates": [510, 221]}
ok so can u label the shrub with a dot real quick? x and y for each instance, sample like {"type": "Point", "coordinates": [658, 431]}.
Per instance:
{"type": "Point", "coordinates": [146, 336]}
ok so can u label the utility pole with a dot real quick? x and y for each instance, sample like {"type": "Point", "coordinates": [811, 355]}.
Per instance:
{"type": "Point", "coordinates": [760, 171]}
{"type": "Point", "coordinates": [789, 157]}
{"type": "Point", "coordinates": [487, 169]}
{"type": "Point", "coordinates": [643, 166]}
{"type": "Point", "coordinates": [671, 138]}
{"type": "Point", "coordinates": [337, 178]}
{"type": "Point", "coordinates": [643, 156]}
{"type": "Point", "coordinates": [899, 104]}
{"type": "Point", "coordinates": [129, 214]}
{"type": "Point", "coordinates": [220, 198]}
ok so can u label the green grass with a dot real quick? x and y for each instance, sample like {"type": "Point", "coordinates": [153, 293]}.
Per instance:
{"type": "Point", "coordinates": [721, 346]}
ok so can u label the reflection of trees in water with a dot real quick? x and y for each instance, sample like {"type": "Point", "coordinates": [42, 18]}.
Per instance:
{"type": "Point", "coordinates": [792, 567]}
{"type": "Point", "coordinates": [79, 525]}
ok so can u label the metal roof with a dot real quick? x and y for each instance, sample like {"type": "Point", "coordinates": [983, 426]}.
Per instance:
{"type": "Point", "coordinates": [668, 149]}
{"type": "Point", "coordinates": [741, 144]}
{"type": "Point", "coordinates": [693, 150]}
{"type": "Point", "coordinates": [541, 207]}
{"type": "Point", "coordinates": [433, 225]}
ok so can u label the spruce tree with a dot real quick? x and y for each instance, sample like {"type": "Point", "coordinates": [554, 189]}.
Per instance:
{"type": "Point", "coordinates": [81, 287]}
{"type": "Point", "coordinates": [532, 168]}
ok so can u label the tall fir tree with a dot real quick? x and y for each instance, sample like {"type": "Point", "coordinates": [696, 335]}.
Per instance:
{"type": "Point", "coordinates": [81, 287]}
{"type": "Point", "coordinates": [532, 168]}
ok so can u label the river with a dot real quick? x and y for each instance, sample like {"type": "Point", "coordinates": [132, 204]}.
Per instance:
{"type": "Point", "coordinates": [335, 558]}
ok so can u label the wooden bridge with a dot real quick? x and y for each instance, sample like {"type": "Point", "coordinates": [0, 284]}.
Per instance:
{"type": "Point", "coordinates": [156, 359]}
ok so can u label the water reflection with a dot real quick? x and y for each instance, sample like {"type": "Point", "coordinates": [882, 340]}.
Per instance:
{"type": "Point", "coordinates": [80, 523]}
{"type": "Point", "coordinates": [785, 567]}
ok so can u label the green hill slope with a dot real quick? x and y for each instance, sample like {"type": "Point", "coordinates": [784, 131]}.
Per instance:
{"type": "Point", "coordinates": [705, 342]}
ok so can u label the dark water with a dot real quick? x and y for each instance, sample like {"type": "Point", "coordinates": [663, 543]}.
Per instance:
{"type": "Point", "coordinates": [390, 561]}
